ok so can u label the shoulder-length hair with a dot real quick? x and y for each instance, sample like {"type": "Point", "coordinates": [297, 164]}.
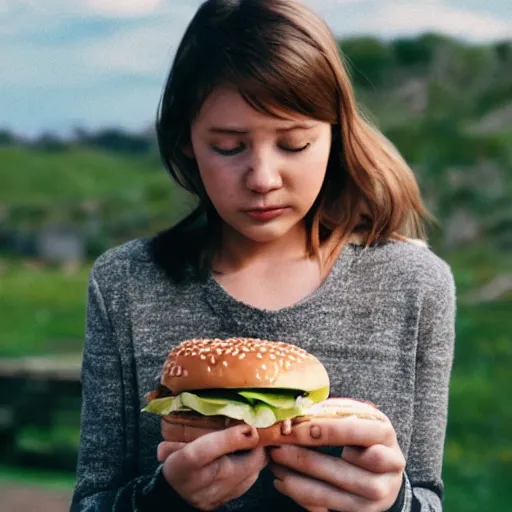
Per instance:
{"type": "Point", "coordinates": [281, 56]}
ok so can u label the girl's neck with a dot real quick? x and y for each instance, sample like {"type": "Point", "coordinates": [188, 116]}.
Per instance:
{"type": "Point", "coordinates": [237, 252]}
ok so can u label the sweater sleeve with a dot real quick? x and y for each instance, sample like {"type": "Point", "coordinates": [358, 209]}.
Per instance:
{"type": "Point", "coordinates": [104, 479]}
{"type": "Point", "coordinates": [434, 357]}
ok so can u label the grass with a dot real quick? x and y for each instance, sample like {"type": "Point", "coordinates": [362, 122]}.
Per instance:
{"type": "Point", "coordinates": [74, 174]}
{"type": "Point", "coordinates": [50, 479]}
{"type": "Point", "coordinates": [42, 310]}
{"type": "Point", "coordinates": [478, 456]}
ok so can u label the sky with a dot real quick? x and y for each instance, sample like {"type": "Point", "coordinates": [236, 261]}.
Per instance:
{"type": "Point", "coordinates": [92, 64]}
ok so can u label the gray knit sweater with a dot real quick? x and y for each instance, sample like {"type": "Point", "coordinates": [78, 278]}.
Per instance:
{"type": "Point", "coordinates": [382, 323]}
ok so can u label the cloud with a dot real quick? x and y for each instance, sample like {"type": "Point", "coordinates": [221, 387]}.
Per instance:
{"type": "Point", "coordinates": [399, 17]}
{"type": "Point", "coordinates": [105, 61]}
{"type": "Point", "coordinates": [123, 8]}
{"type": "Point", "coordinates": [143, 51]}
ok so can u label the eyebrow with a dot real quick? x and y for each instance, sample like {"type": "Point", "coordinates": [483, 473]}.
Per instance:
{"type": "Point", "coordinates": [238, 131]}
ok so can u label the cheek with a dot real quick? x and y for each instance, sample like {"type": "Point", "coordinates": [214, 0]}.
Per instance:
{"type": "Point", "coordinates": [217, 176]}
{"type": "Point", "coordinates": [308, 181]}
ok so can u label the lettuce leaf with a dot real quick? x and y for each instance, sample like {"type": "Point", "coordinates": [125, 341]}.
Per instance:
{"type": "Point", "coordinates": [274, 400]}
{"type": "Point", "coordinates": [259, 415]}
{"type": "Point", "coordinates": [164, 406]}
{"type": "Point", "coordinates": [259, 409]}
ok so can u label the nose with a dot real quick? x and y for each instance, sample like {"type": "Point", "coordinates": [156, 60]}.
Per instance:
{"type": "Point", "coordinates": [263, 174]}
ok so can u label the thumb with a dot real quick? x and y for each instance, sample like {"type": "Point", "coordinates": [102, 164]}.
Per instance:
{"type": "Point", "coordinates": [166, 448]}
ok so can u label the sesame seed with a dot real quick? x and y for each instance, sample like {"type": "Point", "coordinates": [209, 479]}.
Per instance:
{"type": "Point", "coordinates": [241, 356]}
{"type": "Point", "coordinates": [225, 363]}
{"type": "Point", "coordinates": [287, 364]}
{"type": "Point", "coordinates": [178, 371]}
{"type": "Point", "coordinates": [263, 366]}
{"type": "Point", "coordinates": [272, 356]}
{"type": "Point", "coordinates": [259, 356]}
{"type": "Point", "coordinates": [185, 373]}
{"type": "Point", "coordinates": [263, 349]}
{"type": "Point", "coordinates": [209, 369]}
{"type": "Point", "coordinates": [212, 359]}
{"type": "Point", "coordinates": [235, 352]}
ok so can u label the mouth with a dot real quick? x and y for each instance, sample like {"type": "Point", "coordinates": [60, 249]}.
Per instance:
{"type": "Point", "coordinates": [266, 213]}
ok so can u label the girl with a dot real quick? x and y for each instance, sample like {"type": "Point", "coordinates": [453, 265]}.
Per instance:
{"type": "Point", "coordinates": [306, 231]}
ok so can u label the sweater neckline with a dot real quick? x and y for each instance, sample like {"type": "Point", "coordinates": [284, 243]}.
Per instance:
{"type": "Point", "coordinates": [222, 301]}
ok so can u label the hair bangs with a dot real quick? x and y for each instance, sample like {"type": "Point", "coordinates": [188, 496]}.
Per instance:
{"type": "Point", "coordinates": [287, 78]}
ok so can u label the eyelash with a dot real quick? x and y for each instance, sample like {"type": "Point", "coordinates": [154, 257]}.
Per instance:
{"type": "Point", "coordinates": [238, 149]}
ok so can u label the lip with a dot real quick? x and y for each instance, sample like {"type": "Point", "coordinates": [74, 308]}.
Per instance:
{"type": "Point", "coordinates": [266, 213]}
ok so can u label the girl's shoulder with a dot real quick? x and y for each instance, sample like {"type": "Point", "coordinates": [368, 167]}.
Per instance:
{"type": "Point", "coordinates": [117, 263]}
{"type": "Point", "coordinates": [405, 263]}
{"type": "Point", "coordinates": [133, 250]}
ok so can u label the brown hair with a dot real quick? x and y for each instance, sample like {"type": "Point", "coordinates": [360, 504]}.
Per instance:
{"type": "Point", "coordinates": [281, 56]}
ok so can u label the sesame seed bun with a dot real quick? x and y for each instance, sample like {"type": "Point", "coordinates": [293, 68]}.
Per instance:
{"type": "Point", "coordinates": [241, 363]}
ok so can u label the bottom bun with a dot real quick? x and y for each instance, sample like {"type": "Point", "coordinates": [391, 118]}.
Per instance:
{"type": "Point", "coordinates": [185, 427]}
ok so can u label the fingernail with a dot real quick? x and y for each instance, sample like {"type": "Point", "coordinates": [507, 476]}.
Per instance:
{"type": "Point", "coordinates": [315, 432]}
{"type": "Point", "coordinates": [248, 432]}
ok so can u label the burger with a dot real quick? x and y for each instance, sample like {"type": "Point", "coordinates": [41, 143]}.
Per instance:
{"type": "Point", "coordinates": [211, 384]}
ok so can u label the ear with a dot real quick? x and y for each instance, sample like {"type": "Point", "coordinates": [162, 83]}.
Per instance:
{"type": "Point", "coordinates": [188, 151]}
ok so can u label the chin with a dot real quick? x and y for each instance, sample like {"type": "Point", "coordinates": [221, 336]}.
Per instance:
{"type": "Point", "coordinates": [268, 232]}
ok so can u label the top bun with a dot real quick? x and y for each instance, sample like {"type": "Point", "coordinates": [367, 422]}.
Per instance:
{"type": "Point", "coordinates": [241, 363]}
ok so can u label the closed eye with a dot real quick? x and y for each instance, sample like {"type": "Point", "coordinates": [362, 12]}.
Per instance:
{"type": "Point", "coordinates": [229, 152]}
{"type": "Point", "coordinates": [241, 147]}
{"type": "Point", "coordinates": [295, 150]}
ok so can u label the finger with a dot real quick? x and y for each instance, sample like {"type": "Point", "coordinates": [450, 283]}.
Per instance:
{"type": "Point", "coordinates": [217, 494]}
{"type": "Point", "coordinates": [331, 470]}
{"type": "Point", "coordinates": [350, 431]}
{"type": "Point", "coordinates": [182, 433]}
{"type": "Point", "coordinates": [280, 472]}
{"type": "Point", "coordinates": [208, 448]}
{"type": "Point", "coordinates": [231, 476]}
{"type": "Point", "coordinates": [377, 458]}
{"type": "Point", "coordinates": [165, 449]}
{"type": "Point", "coordinates": [239, 489]}
{"type": "Point", "coordinates": [313, 494]}
{"type": "Point", "coordinates": [237, 467]}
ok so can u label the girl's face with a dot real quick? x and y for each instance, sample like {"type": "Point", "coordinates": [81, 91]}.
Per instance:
{"type": "Point", "coordinates": [261, 173]}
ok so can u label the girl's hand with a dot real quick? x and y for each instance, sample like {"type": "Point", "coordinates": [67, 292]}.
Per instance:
{"type": "Point", "coordinates": [207, 473]}
{"type": "Point", "coordinates": [367, 477]}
